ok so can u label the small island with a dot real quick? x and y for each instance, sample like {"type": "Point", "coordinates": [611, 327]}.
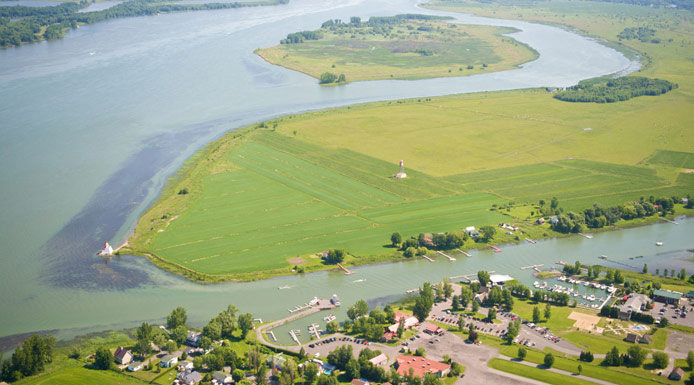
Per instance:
{"type": "Point", "coordinates": [397, 47]}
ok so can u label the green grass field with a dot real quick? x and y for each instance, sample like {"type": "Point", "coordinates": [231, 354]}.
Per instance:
{"type": "Point", "coordinates": [297, 185]}
{"type": "Point", "coordinates": [385, 52]}
{"type": "Point", "coordinates": [80, 376]}
{"type": "Point", "coordinates": [535, 373]}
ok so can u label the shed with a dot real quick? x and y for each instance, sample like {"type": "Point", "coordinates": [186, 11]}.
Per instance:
{"type": "Point", "coordinates": [646, 339]}
{"type": "Point", "coordinates": [135, 367]}
{"type": "Point", "coordinates": [379, 360]}
{"type": "Point", "coordinates": [631, 337]}
{"type": "Point", "coordinates": [168, 361]}
{"type": "Point", "coordinates": [676, 374]}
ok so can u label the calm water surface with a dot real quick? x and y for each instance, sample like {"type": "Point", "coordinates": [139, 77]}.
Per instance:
{"type": "Point", "coordinates": [94, 123]}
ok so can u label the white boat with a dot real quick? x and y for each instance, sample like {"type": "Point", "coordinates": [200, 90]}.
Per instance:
{"type": "Point", "coordinates": [586, 283]}
{"type": "Point", "coordinates": [659, 243]}
{"type": "Point", "coordinates": [359, 280]}
{"type": "Point", "coordinates": [284, 287]}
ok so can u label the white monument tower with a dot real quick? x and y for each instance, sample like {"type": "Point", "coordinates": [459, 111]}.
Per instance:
{"type": "Point", "coordinates": [401, 174]}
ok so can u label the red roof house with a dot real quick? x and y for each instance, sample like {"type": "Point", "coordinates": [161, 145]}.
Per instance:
{"type": "Point", "coordinates": [420, 366]}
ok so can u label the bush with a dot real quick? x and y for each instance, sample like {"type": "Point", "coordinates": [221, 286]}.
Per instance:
{"type": "Point", "coordinates": [327, 78]}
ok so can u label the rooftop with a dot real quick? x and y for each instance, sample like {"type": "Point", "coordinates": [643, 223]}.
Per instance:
{"type": "Point", "coordinates": [667, 294]}
{"type": "Point", "coordinates": [419, 365]}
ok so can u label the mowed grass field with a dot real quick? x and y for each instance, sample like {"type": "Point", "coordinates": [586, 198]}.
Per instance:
{"type": "Point", "coordinates": [360, 53]}
{"type": "Point", "coordinates": [301, 184]}
{"type": "Point", "coordinates": [293, 199]}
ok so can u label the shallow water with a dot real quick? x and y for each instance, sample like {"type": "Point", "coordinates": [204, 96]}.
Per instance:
{"type": "Point", "coordinates": [94, 123]}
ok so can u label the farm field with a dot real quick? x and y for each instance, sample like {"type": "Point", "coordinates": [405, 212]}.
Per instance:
{"type": "Point", "coordinates": [273, 195]}
{"type": "Point", "coordinates": [407, 49]}
{"type": "Point", "coordinates": [79, 375]}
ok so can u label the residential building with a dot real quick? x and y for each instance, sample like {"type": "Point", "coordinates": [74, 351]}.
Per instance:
{"type": "Point", "coordinates": [379, 360]}
{"type": "Point", "coordinates": [123, 356]}
{"type": "Point", "coordinates": [193, 339]}
{"type": "Point", "coordinates": [433, 329]}
{"type": "Point", "coordinates": [220, 377]}
{"type": "Point", "coordinates": [168, 361]}
{"type": "Point", "coordinates": [676, 374]}
{"type": "Point", "coordinates": [631, 337]}
{"type": "Point", "coordinates": [189, 378]}
{"type": "Point", "coordinates": [135, 367]}
{"type": "Point", "coordinates": [634, 303]}
{"type": "Point", "coordinates": [420, 366]}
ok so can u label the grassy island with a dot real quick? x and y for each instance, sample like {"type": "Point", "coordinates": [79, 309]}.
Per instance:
{"type": "Point", "coordinates": [398, 47]}
{"type": "Point", "coordinates": [266, 200]}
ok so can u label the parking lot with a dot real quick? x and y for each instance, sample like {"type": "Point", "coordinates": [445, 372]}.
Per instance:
{"type": "Point", "coordinates": [673, 314]}
{"type": "Point", "coordinates": [325, 345]}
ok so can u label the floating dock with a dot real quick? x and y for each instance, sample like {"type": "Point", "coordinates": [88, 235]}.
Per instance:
{"type": "Point", "coordinates": [530, 241]}
{"type": "Point", "coordinates": [347, 272]}
{"type": "Point", "coordinates": [294, 337]}
{"type": "Point", "coordinates": [313, 329]}
{"type": "Point", "coordinates": [585, 235]}
{"type": "Point", "coordinates": [464, 253]}
{"type": "Point", "coordinates": [447, 256]}
{"type": "Point", "coordinates": [427, 258]}
{"type": "Point", "coordinates": [669, 221]}
{"type": "Point", "coordinates": [272, 335]}
{"type": "Point", "coordinates": [496, 249]}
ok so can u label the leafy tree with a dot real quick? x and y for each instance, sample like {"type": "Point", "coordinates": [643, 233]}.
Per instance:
{"type": "Point", "coordinates": [475, 306]}
{"type": "Point", "coordinates": [612, 357]}
{"type": "Point", "coordinates": [579, 369]}
{"type": "Point", "coordinates": [360, 309]}
{"type": "Point", "coordinates": [238, 375]}
{"type": "Point", "coordinates": [461, 324]}
{"type": "Point", "coordinates": [327, 77]}
{"type": "Point", "coordinates": [549, 360]}
{"type": "Point", "coordinates": [144, 332]}
{"type": "Point", "coordinates": [335, 256]}
{"type": "Point", "coordinates": [447, 288]}
{"type": "Point", "coordinates": [430, 379]}
{"type": "Point", "coordinates": [483, 277]}
{"type": "Point", "coordinates": [409, 252]}
{"type": "Point", "coordinates": [586, 356]}
{"type": "Point", "coordinates": [103, 359]}
{"type": "Point", "coordinates": [327, 380]}
{"type": "Point", "coordinates": [491, 315]}
{"type": "Point", "coordinates": [177, 318]}
{"type": "Point", "coordinates": [645, 268]}
{"type": "Point", "coordinates": [171, 346]}
{"type": "Point", "coordinates": [332, 327]}
{"type": "Point", "coordinates": [690, 359]}
{"type": "Point", "coordinates": [396, 239]}
{"type": "Point", "coordinates": [142, 347]}
{"type": "Point", "coordinates": [213, 330]}
{"type": "Point", "coordinates": [488, 233]}
{"type": "Point", "coordinates": [420, 352]}
{"type": "Point", "coordinates": [536, 315]}
{"type": "Point", "coordinates": [690, 380]}
{"type": "Point", "coordinates": [245, 324]}
{"type": "Point", "coordinates": [352, 369]}
{"type": "Point", "coordinates": [548, 312]}
{"type": "Point", "coordinates": [179, 334]}
{"type": "Point", "coordinates": [522, 352]}
{"type": "Point", "coordinates": [637, 355]}
{"type": "Point", "coordinates": [29, 359]}
{"type": "Point", "coordinates": [205, 342]}
{"type": "Point", "coordinates": [341, 78]}
{"type": "Point", "coordinates": [660, 360]}
{"type": "Point", "coordinates": [465, 297]}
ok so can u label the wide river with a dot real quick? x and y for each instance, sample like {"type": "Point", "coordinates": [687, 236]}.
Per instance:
{"type": "Point", "coordinates": [93, 124]}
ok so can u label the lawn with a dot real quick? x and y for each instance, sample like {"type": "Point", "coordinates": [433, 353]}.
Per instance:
{"type": "Point", "coordinates": [80, 376]}
{"type": "Point", "coordinates": [535, 373]}
{"type": "Point", "coordinates": [411, 49]}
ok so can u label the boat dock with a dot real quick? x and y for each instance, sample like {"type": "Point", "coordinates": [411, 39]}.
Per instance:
{"type": "Point", "coordinates": [609, 297]}
{"type": "Point", "coordinates": [530, 241]}
{"type": "Point", "coordinates": [427, 258]}
{"type": "Point", "coordinates": [447, 256]}
{"type": "Point", "coordinates": [347, 272]}
{"type": "Point", "coordinates": [294, 337]}
{"type": "Point", "coordinates": [258, 320]}
{"type": "Point", "coordinates": [464, 253]}
{"type": "Point", "coordinates": [496, 249]}
{"type": "Point", "coordinates": [534, 267]}
{"type": "Point", "coordinates": [467, 276]}
{"type": "Point", "coordinates": [669, 221]}
{"type": "Point", "coordinates": [271, 334]}
{"type": "Point", "coordinates": [299, 308]}
{"type": "Point", "coordinates": [561, 263]}
{"type": "Point", "coordinates": [412, 291]}
{"type": "Point", "coordinates": [313, 329]}
{"type": "Point", "coordinates": [585, 235]}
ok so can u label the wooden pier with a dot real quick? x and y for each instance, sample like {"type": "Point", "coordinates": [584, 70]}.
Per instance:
{"type": "Point", "coordinates": [447, 256]}
{"type": "Point", "coordinates": [496, 249]}
{"type": "Point", "coordinates": [313, 329]}
{"type": "Point", "coordinates": [530, 241]}
{"type": "Point", "coordinates": [534, 267]}
{"type": "Point", "coordinates": [561, 263]}
{"type": "Point", "coordinates": [294, 337]}
{"type": "Point", "coordinates": [428, 259]}
{"type": "Point", "coordinates": [467, 276]}
{"type": "Point", "coordinates": [299, 308]}
{"type": "Point", "coordinates": [585, 235]}
{"type": "Point", "coordinates": [464, 253]}
{"type": "Point", "coordinates": [412, 291]}
{"type": "Point", "coordinates": [665, 219]}
{"type": "Point", "coordinates": [347, 272]}
{"type": "Point", "coordinates": [271, 334]}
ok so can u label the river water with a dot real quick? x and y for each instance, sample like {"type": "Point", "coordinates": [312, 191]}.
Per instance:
{"type": "Point", "coordinates": [94, 123]}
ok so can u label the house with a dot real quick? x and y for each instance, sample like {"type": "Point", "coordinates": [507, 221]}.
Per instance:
{"type": "Point", "coordinates": [410, 322]}
{"type": "Point", "coordinates": [634, 303]}
{"type": "Point", "coordinates": [540, 221]}
{"type": "Point", "coordinates": [276, 361]}
{"type": "Point", "coordinates": [631, 337]}
{"type": "Point", "coordinates": [379, 360]}
{"type": "Point", "coordinates": [646, 339]}
{"type": "Point", "coordinates": [554, 219]}
{"type": "Point", "coordinates": [684, 201]}
{"type": "Point", "coordinates": [189, 378]}
{"type": "Point", "coordinates": [689, 294]}
{"type": "Point", "coordinates": [359, 382]}
{"type": "Point", "coordinates": [388, 336]}
{"type": "Point", "coordinates": [666, 296]}
{"type": "Point", "coordinates": [123, 356]}
{"type": "Point", "coordinates": [193, 339]}
{"type": "Point", "coordinates": [420, 366]}
{"type": "Point", "coordinates": [500, 279]}
{"type": "Point", "coordinates": [433, 329]}
{"type": "Point", "coordinates": [220, 377]}
{"type": "Point", "coordinates": [185, 365]}
{"type": "Point", "coordinates": [168, 361]}
{"type": "Point", "coordinates": [676, 374]}
{"type": "Point", "coordinates": [481, 298]}
{"type": "Point", "coordinates": [135, 367]}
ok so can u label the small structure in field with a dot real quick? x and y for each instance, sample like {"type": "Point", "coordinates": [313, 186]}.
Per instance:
{"type": "Point", "coordinates": [107, 250]}
{"type": "Point", "coordinates": [401, 174]}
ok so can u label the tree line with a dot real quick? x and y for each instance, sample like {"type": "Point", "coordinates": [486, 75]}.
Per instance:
{"type": "Point", "coordinates": [60, 18]}
{"type": "Point", "coordinates": [615, 90]}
